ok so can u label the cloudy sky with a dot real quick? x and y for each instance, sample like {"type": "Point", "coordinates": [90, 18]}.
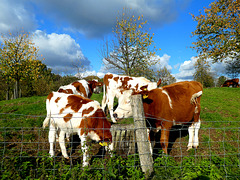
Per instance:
{"type": "Point", "coordinates": [67, 30]}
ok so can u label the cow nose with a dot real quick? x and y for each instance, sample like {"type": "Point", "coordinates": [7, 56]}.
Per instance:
{"type": "Point", "coordinates": [115, 115]}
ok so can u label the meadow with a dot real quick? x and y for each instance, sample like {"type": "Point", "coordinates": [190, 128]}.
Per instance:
{"type": "Point", "coordinates": [24, 145]}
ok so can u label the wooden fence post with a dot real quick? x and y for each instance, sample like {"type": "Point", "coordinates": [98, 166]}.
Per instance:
{"type": "Point", "coordinates": [143, 144]}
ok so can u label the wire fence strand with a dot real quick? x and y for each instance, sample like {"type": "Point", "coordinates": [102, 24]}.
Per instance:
{"type": "Point", "coordinates": [24, 147]}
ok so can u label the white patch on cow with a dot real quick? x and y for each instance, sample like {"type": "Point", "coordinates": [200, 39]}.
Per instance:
{"type": "Point", "coordinates": [169, 99]}
{"type": "Point", "coordinates": [115, 89]}
{"type": "Point", "coordinates": [93, 136]}
{"type": "Point", "coordinates": [125, 109]}
{"type": "Point", "coordinates": [193, 135]}
{"type": "Point", "coordinates": [195, 96]}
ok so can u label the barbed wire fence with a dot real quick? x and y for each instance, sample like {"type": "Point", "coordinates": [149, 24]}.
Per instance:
{"type": "Point", "coordinates": [26, 149]}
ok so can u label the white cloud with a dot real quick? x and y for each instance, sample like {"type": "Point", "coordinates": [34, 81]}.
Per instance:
{"type": "Point", "coordinates": [92, 73]}
{"type": "Point", "coordinates": [187, 70]}
{"type": "Point", "coordinates": [59, 51]}
{"type": "Point", "coordinates": [163, 62]}
{"type": "Point", "coordinates": [14, 16]}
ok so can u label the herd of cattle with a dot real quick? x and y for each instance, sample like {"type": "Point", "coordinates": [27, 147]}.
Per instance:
{"type": "Point", "coordinates": [70, 110]}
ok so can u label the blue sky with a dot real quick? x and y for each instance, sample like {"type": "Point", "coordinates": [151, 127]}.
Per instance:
{"type": "Point", "coordinates": [66, 30]}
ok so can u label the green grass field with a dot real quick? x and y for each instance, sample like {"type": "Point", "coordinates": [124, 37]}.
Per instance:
{"type": "Point", "coordinates": [24, 144]}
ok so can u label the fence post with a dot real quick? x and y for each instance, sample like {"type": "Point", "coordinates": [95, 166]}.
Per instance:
{"type": "Point", "coordinates": [143, 144]}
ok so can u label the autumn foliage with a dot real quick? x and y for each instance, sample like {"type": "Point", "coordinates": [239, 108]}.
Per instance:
{"type": "Point", "coordinates": [19, 59]}
{"type": "Point", "coordinates": [218, 31]}
{"type": "Point", "coordinates": [131, 49]}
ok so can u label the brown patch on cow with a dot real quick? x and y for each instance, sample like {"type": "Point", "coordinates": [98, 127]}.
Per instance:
{"type": "Point", "coordinates": [56, 100]}
{"type": "Point", "coordinates": [67, 117]}
{"type": "Point", "coordinates": [116, 79]}
{"type": "Point", "coordinates": [97, 123]}
{"type": "Point", "coordinates": [80, 88]}
{"type": "Point", "coordinates": [124, 81]}
{"type": "Point", "coordinates": [75, 102]}
{"type": "Point", "coordinates": [87, 111]}
{"type": "Point", "coordinates": [49, 97]}
{"type": "Point", "coordinates": [106, 79]}
{"type": "Point", "coordinates": [136, 87]}
{"type": "Point", "coordinates": [66, 91]}
{"type": "Point", "coordinates": [61, 110]}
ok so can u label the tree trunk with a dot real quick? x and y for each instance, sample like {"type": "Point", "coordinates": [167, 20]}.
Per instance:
{"type": "Point", "coordinates": [7, 94]}
{"type": "Point", "coordinates": [16, 92]}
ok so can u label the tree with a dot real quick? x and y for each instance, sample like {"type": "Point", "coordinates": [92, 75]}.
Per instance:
{"type": "Point", "coordinates": [165, 75]}
{"type": "Point", "coordinates": [221, 80]}
{"type": "Point", "coordinates": [18, 59]}
{"type": "Point", "coordinates": [130, 51]}
{"type": "Point", "coordinates": [218, 31]}
{"type": "Point", "coordinates": [80, 68]}
{"type": "Point", "coordinates": [202, 73]}
{"type": "Point", "coordinates": [233, 69]}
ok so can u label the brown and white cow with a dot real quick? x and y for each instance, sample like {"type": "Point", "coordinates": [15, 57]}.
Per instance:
{"type": "Point", "coordinates": [175, 104]}
{"type": "Point", "coordinates": [81, 87]}
{"type": "Point", "coordinates": [75, 114]}
{"type": "Point", "coordinates": [231, 83]}
{"type": "Point", "coordinates": [115, 85]}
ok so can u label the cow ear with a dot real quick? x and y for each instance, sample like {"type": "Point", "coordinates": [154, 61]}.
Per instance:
{"type": "Point", "coordinates": [144, 88]}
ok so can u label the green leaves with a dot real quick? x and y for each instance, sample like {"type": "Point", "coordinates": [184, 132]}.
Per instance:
{"type": "Point", "coordinates": [19, 57]}
{"type": "Point", "coordinates": [132, 46]}
{"type": "Point", "coordinates": [218, 30]}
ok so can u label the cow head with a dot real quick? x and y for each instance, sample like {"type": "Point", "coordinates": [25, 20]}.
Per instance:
{"type": "Point", "coordinates": [124, 109]}
{"type": "Point", "coordinates": [95, 86]}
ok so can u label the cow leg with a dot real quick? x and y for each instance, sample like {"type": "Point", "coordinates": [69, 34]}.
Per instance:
{"type": "Point", "coordinates": [84, 148]}
{"type": "Point", "coordinates": [68, 136]}
{"type": "Point", "coordinates": [164, 139]}
{"type": "Point", "coordinates": [52, 139]}
{"type": "Point", "coordinates": [110, 107]}
{"type": "Point", "coordinates": [109, 149]}
{"type": "Point", "coordinates": [151, 140]}
{"type": "Point", "coordinates": [104, 100]}
{"type": "Point", "coordinates": [193, 135]}
{"type": "Point", "coordinates": [196, 130]}
{"type": "Point", "coordinates": [57, 138]}
{"type": "Point", "coordinates": [62, 143]}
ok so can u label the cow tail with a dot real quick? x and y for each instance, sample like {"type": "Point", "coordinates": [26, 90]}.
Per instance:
{"type": "Point", "coordinates": [47, 119]}
{"type": "Point", "coordinates": [195, 96]}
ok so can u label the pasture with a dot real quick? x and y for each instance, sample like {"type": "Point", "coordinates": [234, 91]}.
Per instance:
{"type": "Point", "coordinates": [24, 145]}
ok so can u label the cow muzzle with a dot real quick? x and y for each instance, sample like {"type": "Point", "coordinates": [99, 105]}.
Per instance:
{"type": "Point", "coordinates": [116, 116]}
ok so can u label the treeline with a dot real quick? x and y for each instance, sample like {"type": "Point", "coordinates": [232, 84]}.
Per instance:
{"type": "Point", "coordinates": [40, 86]}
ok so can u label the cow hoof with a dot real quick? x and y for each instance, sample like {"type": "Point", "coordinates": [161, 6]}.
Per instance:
{"type": "Point", "coordinates": [85, 164]}
{"type": "Point", "coordinates": [196, 147]}
{"type": "Point", "coordinates": [189, 148]}
{"type": "Point", "coordinates": [66, 157]}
